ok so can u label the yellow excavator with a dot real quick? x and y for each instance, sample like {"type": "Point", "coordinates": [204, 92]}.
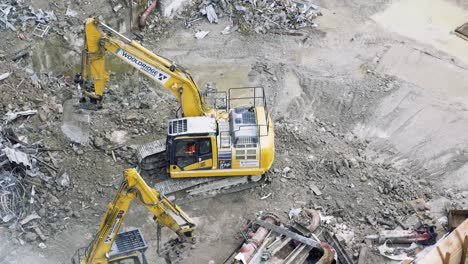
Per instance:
{"type": "Point", "coordinates": [204, 146]}
{"type": "Point", "coordinates": [110, 246]}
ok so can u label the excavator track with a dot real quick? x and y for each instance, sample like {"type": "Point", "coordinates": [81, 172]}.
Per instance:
{"type": "Point", "coordinates": [151, 155]}
{"type": "Point", "coordinates": [184, 190]}
{"type": "Point", "coordinates": [151, 159]}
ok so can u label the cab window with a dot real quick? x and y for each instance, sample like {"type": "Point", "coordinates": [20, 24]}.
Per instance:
{"type": "Point", "coordinates": [186, 153]}
{"type": "Point", "coordinates": [205, 146]}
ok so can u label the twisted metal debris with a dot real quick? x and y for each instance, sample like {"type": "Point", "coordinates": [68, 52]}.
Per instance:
{"type": "Point", "coordinates": [12, 197]}
{"type": "Point", "coordinates": [14, 13]}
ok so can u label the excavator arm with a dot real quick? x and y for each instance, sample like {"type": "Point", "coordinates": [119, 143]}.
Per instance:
{"type": "Point", "coordinates": [100, 38]}
{"type": "Point", "coordinates": [164, 211]}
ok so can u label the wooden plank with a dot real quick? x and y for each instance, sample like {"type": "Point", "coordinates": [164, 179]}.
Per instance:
{"type": "Point", "coordinates": [464, 249]}
{"type": "Point", "coordinates": [448, 250]}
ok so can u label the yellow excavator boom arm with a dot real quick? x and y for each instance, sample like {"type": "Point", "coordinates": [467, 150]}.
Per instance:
{"type": "Point", "coordinates": [100, 38]}
{"type": "Point", "coordinates": [163, 210]}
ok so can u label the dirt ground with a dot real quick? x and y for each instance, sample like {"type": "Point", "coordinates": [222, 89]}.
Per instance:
{"type": "Point", "coordinates": [370, 107]}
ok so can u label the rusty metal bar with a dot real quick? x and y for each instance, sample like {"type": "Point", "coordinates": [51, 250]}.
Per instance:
{"type": "Point", "coordinates": [146, 13]}
{"type": "Point", "coordinates": [283, 231]}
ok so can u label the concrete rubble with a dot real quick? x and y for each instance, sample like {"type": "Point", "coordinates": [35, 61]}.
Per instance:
{"type": "Point", "coordinates": [26, 183]}
{"type": "Point", "coordinates": [261, 16]}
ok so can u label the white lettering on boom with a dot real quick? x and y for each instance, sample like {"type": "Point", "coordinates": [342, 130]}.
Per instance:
{"type": "Point", "coordinates": [153, 72]}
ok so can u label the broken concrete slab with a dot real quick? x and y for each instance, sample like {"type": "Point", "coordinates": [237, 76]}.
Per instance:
{"type": "Point", "coordinates": [29, 218]}
{"type": "Point", "coordinates": [118, 137]}
{"type": "Point", "coordinates": [18, 157]}
{"type": "Point", "coordinates": [211, 14]}
{"type": "Point", "coordinates": [170, 8]}
{"type": "Point", "coordinates": [315, 189]}
{"type": "Point", "coordinates": [4, 76]}
{"type": "Point", "coordinates": [10, 116]}
{"type": "Point", "coordinates": [201, 34]}
{"type": "Point", "coordinates": [76, 125]}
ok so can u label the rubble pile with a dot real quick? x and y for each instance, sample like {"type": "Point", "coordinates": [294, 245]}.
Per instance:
{"type": "Point", "coordinates": [33, 182]}
{"type": "Point", "coordinates": [16, 13]}
{"type": "Point", "coordinates": [356, 194]}
{"type": "Point", "coordinates": [30, 182]}
{"type": "Point", "coordinates": [261, 16]}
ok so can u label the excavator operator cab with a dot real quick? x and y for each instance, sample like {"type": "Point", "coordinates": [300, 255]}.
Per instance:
{"type": "Point", "coordinates": [192, 153]}
{"type": "Point", "coordinates": [191, 143]}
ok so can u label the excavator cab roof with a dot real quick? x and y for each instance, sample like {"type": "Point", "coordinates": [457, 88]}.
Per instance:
{"type": "Point", "coordinates": [192, 125]}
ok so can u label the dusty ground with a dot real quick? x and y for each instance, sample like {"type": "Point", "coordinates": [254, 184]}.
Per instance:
{"type": "Point", "coordinates": [370, 111]}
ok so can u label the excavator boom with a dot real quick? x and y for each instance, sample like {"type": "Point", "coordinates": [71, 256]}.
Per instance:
{"type": "Point", "coordinates": [101, 38]}
{"type": "Point", "coordinates": [134, 187]}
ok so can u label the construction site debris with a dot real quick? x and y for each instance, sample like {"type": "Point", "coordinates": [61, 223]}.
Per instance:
{"type": "Point", "coordinates": [118, 7]}
{"type": "Point", "coordinates": [266, 196]}
{"type": "Point", "coordinates": [363, 253]}
{"type": "Point", "coordinates": [424, 234]}
{"type": "Point", "coordinates": [229, 29]}
{"type": "Point", "coordinates": [211, 14]}
{"type": "Point", "coordinates": [143, 16]}
{"type": "Point", "coordinates": [283, 231]}
{"type": "Point", "coordinates": [19, 14]}
{"type": "Point", "coordinates": [18, 157]}
{"type": "Point", "coordinates": [341, 253]}
{"type": "Point", "coordinates": [64, 180]}
{"type": "Point", "coordinates": [397, 253]}
{"type": "Point", "coordinates": [263, 16]}
{"type": "Point", "coordinates": [201, 34]}
{"type": "Point", "coordinates": [270, 241]}
{"type": "Point", "coordinates": [29, 218]}
{"type": "Point", "coordinates": [315, 189]}
{"type": "Point", "coordinates": [452, 248]}
{"type": "Point", "coordinates": [70, 12]}
{"type": "Point", "coordinates": [41, 30]}
{"type": "Point", "coordinates": [4, 76]}
{"type": "Point", "coordinates": [294, 212]}
{"type": "Point", "coordinates": [39, 233]}
{"type": "Point", "coordinates": [30, 236]}
{"type": "Point", "coordinates": [462, 31]}
{"type": "Point", "coordinates": [456, 218]}
{"type": "Point", "coordinates": [10, 116]}
{"type": "Point", "coordinates": [12, 197]}
{"type": "Point", "coordinates": [318, 152]}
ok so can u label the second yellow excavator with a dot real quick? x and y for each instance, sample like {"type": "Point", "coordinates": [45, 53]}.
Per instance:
{"type": "Point", "coordinates": [111, 246]}
{"type": "Point", "coordinates": [211, 149]}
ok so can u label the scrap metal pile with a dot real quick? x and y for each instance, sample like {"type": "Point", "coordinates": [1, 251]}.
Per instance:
{"type": "Point", "coordinates": [267, 240]}
{"type": "Point", "coordinates": [24, 172]}
{"type": "Point", "coordinates": [16, 162]}
{"type": "Point", "coordinates": [263, 16]}
{"type": "Point", "coordinates": [12, 197]}
{"type": "Point", "coordinates": [13, 13]}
